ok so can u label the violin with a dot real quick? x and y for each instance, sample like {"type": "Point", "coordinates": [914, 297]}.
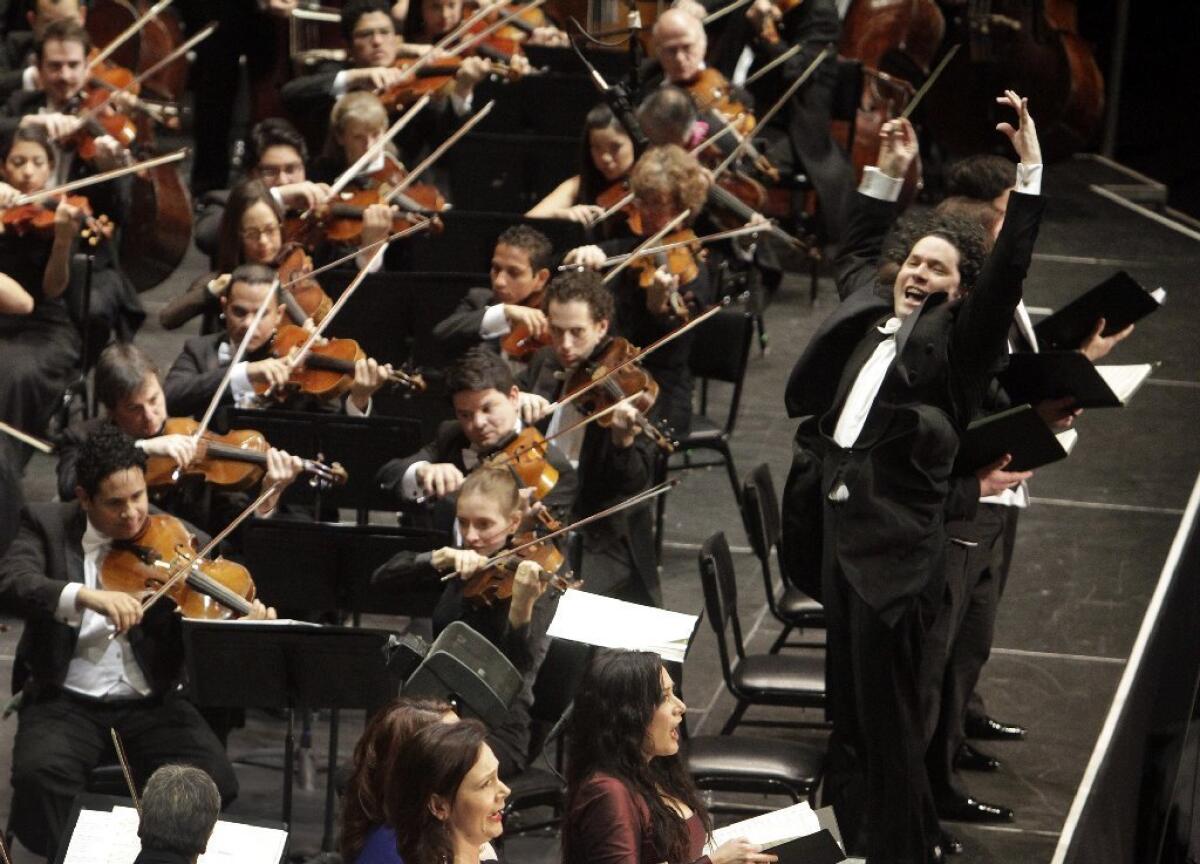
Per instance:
{"type": "Point", "coordinates": [524, 456]}
{"type": "Point", "coordinates": [212, 589]}
{"type": "Point", "coordinates": [716, 103]}
{"type": "Point", "coordinates": [303, 297]}
{"type": "Point", "coordinates": [38, 218]}
{"type": "Point", "coordinates": [626, 381]}
{"type": "Point", "coordinates": [618, 191]}
{"type": "Point", "coordinates": [679, 261]}
{"type": "Point", "coordinates": [486, 586]}
{"type": "Point", "coordinates": [327, 370]}
{"type": "Point", "coordinates": [236, 460]}
{"type": "Point", "coordinates": [432, 78]}
{"type": "Point", "coordinates": [520, 343]}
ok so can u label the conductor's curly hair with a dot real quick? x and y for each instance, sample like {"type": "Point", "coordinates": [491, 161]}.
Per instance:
{"type": "Point", "coordinates": [965, 235]}
{"type": "Point", "coordinates": [105, 452]}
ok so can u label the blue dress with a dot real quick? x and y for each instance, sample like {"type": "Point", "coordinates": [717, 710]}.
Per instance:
{"type": "Point", "coordinates": [379, 847]}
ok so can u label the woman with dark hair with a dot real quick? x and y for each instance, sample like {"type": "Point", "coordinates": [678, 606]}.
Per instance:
{"type": "Point", "coordinates": [251, 232]}
{"type": "Point", "coordinates": [606, 158]}
{"type": "Point", "coordinates": [366, 839]}
{"type": "Point", "coordinates": [629, 797]}
{"type": "Point", "coordinates": [445, 799]}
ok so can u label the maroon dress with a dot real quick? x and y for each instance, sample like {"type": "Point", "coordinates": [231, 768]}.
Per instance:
{"type": "Point", "coordinates": [609, 824]}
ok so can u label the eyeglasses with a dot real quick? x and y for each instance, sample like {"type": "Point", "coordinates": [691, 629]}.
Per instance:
{"type": "Point", "coordinates": [252, 234]}
{"type": "Point", "coordinates": [277, 170]}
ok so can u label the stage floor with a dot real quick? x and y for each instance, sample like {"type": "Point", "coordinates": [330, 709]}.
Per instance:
{"type": "Point", "coordinates": [1089, 551]}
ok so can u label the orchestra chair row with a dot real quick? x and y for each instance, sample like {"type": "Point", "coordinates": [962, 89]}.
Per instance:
{"type": "Point", "coordinates": [789, 605]}
{"type": "Point", "coordinates": [791, 680]}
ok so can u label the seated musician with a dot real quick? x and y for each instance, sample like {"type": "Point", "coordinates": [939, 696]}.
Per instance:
{"type": "Point", "coordinates": [89, 660]}
{"type": "Point", "coordinates": [430, 20]}
{"type": "Point", "coordinates": [180, 805]}
{"type": "Point", "coordinates": [613, 464]}
{"type": "Point", "coordinates": [39, 346]}
{"type": "Point", "coordinates": [605, 159]}
{"type": "Point", "coordinates": [276, 154]}
{"type": "Point", "coordinates": [374, 47]}
{"type": "Point", "coordinates": [198, 370]}
{"type": "Point", "coordinates": [487, 408]}
{"type": "Point", "coordinates": [18, 69]}
{"type": "Point", "coordinates": [489, 511]}
{"type": "Point", "coordinates": [666, 181]}
{"type": "Point", "coordinates": [62, 69]}
{"type": "Point", "coordinates": [520, 270]}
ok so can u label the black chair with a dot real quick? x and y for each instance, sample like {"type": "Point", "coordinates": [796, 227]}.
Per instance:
{"type": "Point", "coordinates": [720, 352]}
{"type": "Point", "coordinates": [760, 513]}
{"type": "Point", "coordinates": [792, 680]}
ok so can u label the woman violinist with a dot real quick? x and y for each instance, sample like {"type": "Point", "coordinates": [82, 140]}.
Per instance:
{"type": "Point", "coordinates": [606, 158]}
{"type": "Point", "coordinates": [666, 181]}
{"type": "Point", "coordinates": [489, 511]}
{"type": "Point", "coordinates": [39, 345]}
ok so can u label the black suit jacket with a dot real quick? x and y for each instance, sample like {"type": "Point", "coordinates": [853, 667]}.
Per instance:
{"type": "Point", "coordinates": [459, 330]}
{"type": "Point", "coordinates": [45, 557]}
{"type": "Point", "coordinates": [898, 473]}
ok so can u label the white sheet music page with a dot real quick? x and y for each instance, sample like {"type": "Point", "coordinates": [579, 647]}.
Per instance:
{"type": "Point", "coordinates": [111, 837]}
{"type": "Point", "coordinates": [1125, 380]}
{"type": "Point", "coordinates": [609, 623]}
{"type": "Point", "coordinates": [770, 829]}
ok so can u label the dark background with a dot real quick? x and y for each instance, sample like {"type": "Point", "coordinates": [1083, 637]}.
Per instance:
{"type": "Point", "coordinates": [1160, 93]}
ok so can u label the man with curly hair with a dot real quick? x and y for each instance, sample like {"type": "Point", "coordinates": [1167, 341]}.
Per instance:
{"type": "Point", "coordinates": [883, 390]}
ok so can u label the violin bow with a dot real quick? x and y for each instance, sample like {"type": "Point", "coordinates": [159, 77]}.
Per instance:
{"type": "Point", "coordinates": [5, 858]}
{"type": "Point", "coordinates": [476, 38]}
{"type": "Point", "coordinates": [774, 109]}
{"type": "Point", "coordinates": [749, 228]}
{"type": "Point", "coordinates": [641, 250]}
{"type": "Point", "coordinates": [651, 348]}
{"type": "Point", "coordinates": [929, 82]}
{"type": "Point", "coordinates": [375, 149]}
{"type": "Point", "coordinates": [237, 358]}
{"type": "Point", "coordinates": [84, 182]}
{"type": "Point", "coordinates": [126, 34]}
{"type": "Point", "coordinates": [119, 747]}
{"type": "Point", "coordinates": [781, 59]}
{"type": "Point", "coordinates": [633, 501]}
{"type": "Point", "coordinates": [149, 73]}
{"type": "Point", "coordinates": [350, 256]}
{"type": "Point", "coordinates": [424, 60]}
{"type": "Point", "coordinates": [723, 11]}
{"type": "Point", "coordinates": [36, 443]}
{"type": "Point", "coordinates": [438, 151]}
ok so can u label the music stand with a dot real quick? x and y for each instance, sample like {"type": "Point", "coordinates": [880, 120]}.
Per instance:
{"type": "Point", "coordinates": [294, 664]}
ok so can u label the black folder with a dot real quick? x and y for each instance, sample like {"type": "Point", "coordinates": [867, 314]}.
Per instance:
{"type": "Point", "coordinates": [1120, 300]}
{"type": "Point", "coordinates": [1054, 374]}
{"type": "Point", "coordinates": [1019, 431]}
{"type": "Point", "coordinates": [817, 848]}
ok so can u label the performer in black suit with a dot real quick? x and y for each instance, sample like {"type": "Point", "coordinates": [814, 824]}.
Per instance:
{"type": "Point", "coordinates": [18, 70]}
{"type": "Point", "coordinates": [199, 368]}
{"type": "Point", "coordinates": [487, 408]}
{"type": "Point", "coordinates": [883, 389]}
{"type": "Point", "coordinates": [613, 464]}
{"type": "Point", "coordinates": [75, 682]}
{"type": "Point", "coordinates": [520, 270]}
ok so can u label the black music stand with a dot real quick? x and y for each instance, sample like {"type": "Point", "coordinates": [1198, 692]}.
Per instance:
{"type": "Point", "coordinates": [294, 664]}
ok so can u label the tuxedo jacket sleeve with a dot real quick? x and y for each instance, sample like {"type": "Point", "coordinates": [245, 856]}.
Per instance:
{"type": "Point", "coordinates": [195, 301]}
{"type": "Point", "coordinates": [35, 571]}
{"type": "Point", "coordinates": [309, 94]}
{"type": "Point", "coordinates": [459, 330]}
{"type": "Point", "coordinates": [857, 261]}
{"type": "Point", "coordinates": [194, 377]}
{"type": "Point", "coordinates": [440, 449]}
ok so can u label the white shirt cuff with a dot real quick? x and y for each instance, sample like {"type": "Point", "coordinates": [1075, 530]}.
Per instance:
{"type": "Point", "coordinates": [239, 384]}
{"type": "Point", "coordinates": [278, 198]}
{"type": "Point", "coordinates": [1029, 179]}
{"type": "Point", "coordinates": [340, 83]}
{"type": "Point", "coordinates": [27, 79]}
{"type": "Point", "coordinates": [409, 489]}
{"type": "Point", "coordinates": [495, 322]}
{"type": "Point", "coordinates": [352, 410]}
{"type": "Point", "coordinates": [462, 107]}
{"type": "Point", "coordinates": [876, 184]}
{"type": "Point", "coordinates": [66, 612]}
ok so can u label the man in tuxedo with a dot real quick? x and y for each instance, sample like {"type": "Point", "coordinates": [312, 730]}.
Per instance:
{"type": "Point", "coordinates": [200, 367]}
{"type": "Point", "coordinates": [90, 659]}
{"type": "Point", "coordinates": [614, 464]}
{"type": "Point", "coordinates": [17, 67]}
{"type": "Point", "coordinates": [520, 270]}
{"type": "Point", "coordinates": [883, 390]}
{"type": "Point", "coordinates": [487, 410]}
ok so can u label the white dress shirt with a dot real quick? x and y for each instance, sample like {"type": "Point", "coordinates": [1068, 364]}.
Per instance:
{"type": "Point", "coordinates": [101, 668]}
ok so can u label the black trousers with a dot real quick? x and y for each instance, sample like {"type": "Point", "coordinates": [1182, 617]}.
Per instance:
{"type": "Point", "coordinates": [980, 639]}
{"type": "Point", "coordinates": [60, 739]}
{"type": "Point", "coordinates": [959, 642]}
{"type": "Point", "coordinates": [875, 774]}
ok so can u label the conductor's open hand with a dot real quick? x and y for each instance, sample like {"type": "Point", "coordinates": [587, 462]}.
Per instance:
{"type": "Point", "coordinates": [898, 147]}
{"type": "Point", "coordinates": [1024, 137]}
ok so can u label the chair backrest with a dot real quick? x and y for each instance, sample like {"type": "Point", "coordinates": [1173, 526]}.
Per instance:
{"type": "Point", "coordinates": [554, 688]}
{"type": "Point", "coordinates": [721, 352]}
{"type": "Point", "coordinates": [719, 579]}
{"type": "Point", "coordinates": [761, 522]}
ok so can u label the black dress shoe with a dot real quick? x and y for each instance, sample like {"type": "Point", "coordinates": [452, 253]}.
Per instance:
{"type": "Point", "coordinates": [969, 758]}
{"type": "Point", "coordinates": [982, 726]}
{"type": "Point", "coordinates": [950, 844]}
{"type": "Point", "coordinates": [970, 810]}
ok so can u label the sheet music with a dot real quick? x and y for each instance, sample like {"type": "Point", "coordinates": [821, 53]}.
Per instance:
{"type": "Point", "coordinates": [770, 829]}
{"type": "Point", "coordinates": [1124, 381]}
{"type": "Point", "coordinates": [111, 837]}
{"type": "Point", "coordinates": [1067, 439]}
{"type": "Point", "coordinates": [609, 623]}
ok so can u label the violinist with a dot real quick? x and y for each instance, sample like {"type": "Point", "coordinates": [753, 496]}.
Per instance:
{"type": "Point", "coordinates": [613, 464]}
{"type": "Point", "coordinates": [18, 70]}
{"type": "Point", "coordinates": [62, 69]}
{"type": "Point", "coordinates": [74, 680]}
{"type": "Point", "coordinates": [520, 270]}
{"type": "Point", "coordinates": [488, 411]}
{"type": "Point", "coordinates": [197, 372]}
{"type": "Point", "coordinates": [488, 513]}
{"type": "Point", "coordinates": [39, 345]}
{"type": "Point", "coordinates": [666, 181]}
{"type": "Point", "coordinates": [606, 158]}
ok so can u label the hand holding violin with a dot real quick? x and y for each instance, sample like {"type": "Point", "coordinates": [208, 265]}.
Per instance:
{"type": "Point", "coordinates": [8, 195]}
{"type": "Point", "coordinates": [471, 71]}
{"type": "Point", "coordinates": [282, 470]}
{"type": "Point", "coordinates": [532, 407]}
{"type": "Point", "coordinates": [591, 257]}
{"type": "Point", "coordinates": [762, 11]}
{"type": "Point", "coordinates": [304, 195]}
{"type": "Point", "coordinates": [528, 586]}
{"type": "Point", "coordinates": [624, 425]}
{"type": "Point", "coordinates": [67, 219]}
{"type": "Point", "coordinates": [272, 372]}
{"type": "Point", "coordinates": [369, 376]}
{"type": "Point", "coordinates": [658, 295]}
{"type": "Point", "coordinates": [377, 223]}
